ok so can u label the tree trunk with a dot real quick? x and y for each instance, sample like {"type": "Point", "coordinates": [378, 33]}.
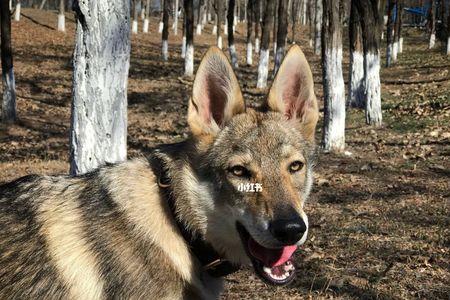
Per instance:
{"type": "Point", "coordinates": [263, 66]}
{"type": "Point", "coordinates": [134, 27]}
{"type": "Point", "coordinates": [257, 20]}
{"type": "Point", "coordinates": [389, 28]}
{"type": "Point", "coordinates": [275, 26]}
{"type": "Point", "coordinates": [250, 7]}
{"type": "Point", "coordinates": [231, 47]}
{"type": "Point", "coordinates": [281, 33]}
{"type": "Point", "coordinates": [17, 11]}
{"type": "Point", "coordinates": [165, 32]}
{"type": "Point", "coordinates": [356, 72]}
{"type": "Point", "coordinates": [101, 61]}
{"type": "Point", "coordinates": [61, 16]}
{"type": "Point", "coordinates": [318, 27]}
{"type": "Point", "coordinates": [183, 42]}
{"type": "Point", "coordinates": [199, 18]}
{"type": "Point", "coordinates": [371, 23]}
{"type": "Point", "coordinates": [175, 19]}
{"type": "Point", "coordinates": [397, 30]}
{"type": "Point", "coordinates": [42, 4]}
{"type": "Point", "coordinates": [333, 82]}
{"type": "Point", "coordinates": [432, 24]}
{"type": "Point", "coordinates": [9, 86]}
{"type": "Point", "coordinates": [189, 57]}
{"type": "Point", "coordinates": [219, 14]}
{"type": "Point", "coordinates": [147, 17]}
{"type": "Point", "coordinates": [312, 24]}
{"type": "Point", "coordinates": [448, 31]}
{"type": "Point", "coordinates": [294, 16]}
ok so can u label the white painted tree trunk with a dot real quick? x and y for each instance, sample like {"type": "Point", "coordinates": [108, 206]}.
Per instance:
{"type": "Point", "coordinates": [395, 51]}
{"type": "Point", "coordinates": [233, 55]}
{"type": "Point", "coordinates": [278, 59]}
{"type": "Point", "coordinates": [199, 29]}
{"type": "Point", "coordinates": [400, 45]}
{"type": "Point", "coordinates": [249, 54]}
{"type": "Point", "coordinates": [189, 61]}
{"type": "Point", "coordinates": [448, 45]}
{"type": "Point", "coordinates": [165, 49]}
{"type": "Point", "coordinates": [372, 87]}
{"type": "Point", "coordinates": [134, 27]}
{"type": "Point", "coordinates": [61, 23]}
{"type": "Point", "coordinates": [257, 45]}
{"type": "Point", "coordinates": [274, 48]}
{"type": "Point", "coordinates": [356, 80]}
{"type": "Point", "coordinates": [9, 97]}
{"type": "Point", "coordinates": [432, 41]}
{"type": "Point", "coordinates": [263, 68]}
{"type": "Point", "coordinates": [161, 26]}
{"type": "Point", "coordinates": [101, 63]}
{"type": "Point", "coordinates": [214, 30]}
{"type": "Point", "coordinates": [175, 20]}
{"type": "Point", "coordinates": [334, 94]}
{"type": "Point", "coordinates": [142, 11]}
{"type": "Point", "coordinates": [219, 42]}
{"type": "Point", "coordinates": [146, 25]}
{"type": "Point", "coordinates": [318, 28]}
{"type": "Point", "coordinates": [304, 9]}
{"type": "Point", "coordinates": [183, 47]}
{"type": "Point", "coordinates": [17, 12]}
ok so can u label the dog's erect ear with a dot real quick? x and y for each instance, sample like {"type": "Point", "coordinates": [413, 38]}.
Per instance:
{"type": "Point", "coordinates": [292, 92]}
{"type": "Point", "coordinates": [216, 95]}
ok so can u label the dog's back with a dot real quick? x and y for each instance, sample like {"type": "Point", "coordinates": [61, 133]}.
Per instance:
{"type": "Point", "coordinates": [91, 237]}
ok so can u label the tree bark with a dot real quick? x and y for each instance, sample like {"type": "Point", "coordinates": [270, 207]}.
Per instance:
{"type": "Point", "coordinates": [333, 138]}
{"type": "Point", "coordinates": [101, 62]}
{"type": "Point", "coordinates": [281, 33]}
{"type": "Point", "coordinates": [9, 114]}
{"type": "Point", "coordinates": [389, 28]}
{"type": "Point", "coordinates": [275, 26]}
{"type": "Point", "coordinates": [219, 14]}
{"type": "Point", "coordinates": [318, 27]}
{"type": "Point", "coordinates": [165, 32]}
{"type": "Point", "coordinates": [199, 18]}
{"type": "Point", "coordinates": [356, 71]}
{"type": "Point", "coordinates": [17, 11]}
{"type": "Point", "coordinates": [61, 16]}
{"type": "Point", "coordinates": [371, 23]}
{"type": "Point", "coordinates": [397, 30]}
{"type": "Point", "coordinates": [42, 4]}
{"type": "Point", "coordinates": [257, 20]}
{"type": "Point", "coordinates": [230, 21]}
{"type": "Point", "coordinates": [147, 17]}
{"type": "Point", "coordinates": [134, 27]}
{"type": "Point", "coordinates": [312, 24]}
{"type": "Point", "coordinates": [175, 19]}
{"type": "Point", "coordinates": [189, 57]}
{"type": "Point", "coordinates": [250, 7]}
{"type": "Point", "coordinates": [263, 66]}
{"type": "Point", "coordinates": [448, 30]}
{"type": "Point", "coordinates": [432, 25]}
{"type": "Point", "coordinates": [294, 16]}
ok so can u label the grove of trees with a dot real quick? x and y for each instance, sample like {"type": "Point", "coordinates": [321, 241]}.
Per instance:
{"type": "Point", "coordinates": [102, 54]}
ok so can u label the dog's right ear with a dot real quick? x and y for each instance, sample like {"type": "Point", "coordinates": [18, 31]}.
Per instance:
{"type": "Point", "coordinates": [216, 95]}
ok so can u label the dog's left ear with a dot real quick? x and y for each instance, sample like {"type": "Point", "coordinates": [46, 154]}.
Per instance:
{"type": "Point", "coordinates": [292, 92]}
{"type": "Point", "coordinates": [216, 96]}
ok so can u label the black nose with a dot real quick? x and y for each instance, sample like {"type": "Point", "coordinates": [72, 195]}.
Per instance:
{"type": "Point", "coordinates": [288, 231]}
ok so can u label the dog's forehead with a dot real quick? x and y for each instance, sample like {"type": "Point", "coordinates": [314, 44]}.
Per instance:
{"type": "Point", "coordinates": [263, 133]}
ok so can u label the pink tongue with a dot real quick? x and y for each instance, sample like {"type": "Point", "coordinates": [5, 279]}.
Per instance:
{"type": "Point", "coordinates": [270, 257]}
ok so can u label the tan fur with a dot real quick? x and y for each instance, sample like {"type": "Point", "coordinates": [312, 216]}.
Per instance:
{"type": "Point", "coordinates": [68, 248]}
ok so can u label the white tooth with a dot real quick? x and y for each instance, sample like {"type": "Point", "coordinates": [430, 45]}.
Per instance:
{"type": "Point", "coordinates": [267, 270]}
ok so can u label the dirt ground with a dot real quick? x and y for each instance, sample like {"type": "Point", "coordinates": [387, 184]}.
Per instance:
{"type": "Point", "coordinates": [379, 214]}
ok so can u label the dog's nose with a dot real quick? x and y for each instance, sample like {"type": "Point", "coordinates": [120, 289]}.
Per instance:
{"type": "Point", "coordinates": [288, 231]}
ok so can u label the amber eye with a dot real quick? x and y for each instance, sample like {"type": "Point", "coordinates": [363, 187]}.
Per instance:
{"type": "Point", "coordinates": [239, 171]}
{"type": "Point", "coordinates": [295, 166]}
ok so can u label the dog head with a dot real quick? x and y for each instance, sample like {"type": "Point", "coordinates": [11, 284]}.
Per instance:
{"type": "Point", "coordinates": [256, 164]}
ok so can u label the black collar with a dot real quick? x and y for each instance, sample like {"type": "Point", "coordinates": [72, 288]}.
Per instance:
{"type": "Point", "coordinates": [212, 262]}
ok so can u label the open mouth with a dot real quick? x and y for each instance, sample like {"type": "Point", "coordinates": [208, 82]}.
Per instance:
{"type": "Point", "coordinates": [274, 266]}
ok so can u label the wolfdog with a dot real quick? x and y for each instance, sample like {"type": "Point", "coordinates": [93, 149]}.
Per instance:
{"type": "Point", "coordinates": [171, 225]}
